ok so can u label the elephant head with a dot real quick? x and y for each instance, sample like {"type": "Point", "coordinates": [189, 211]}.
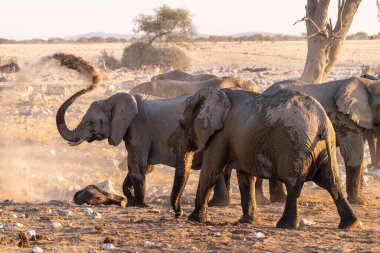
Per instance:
{"type": "Point", "coordinates": [104, 119]}
{"type": "Point", "coordinates": [204, 113]}
{"type": "Point", "coordinates": [360, 99]}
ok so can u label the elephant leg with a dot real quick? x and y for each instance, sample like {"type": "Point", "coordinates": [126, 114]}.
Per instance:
{"type": "Point", "coordinates": [182, 173]}
{"type": "Point", "coordinates": [372, 146]}
{"type": "Point", "coordinates": [248, 203]}
{"type": "Point", "coordinates": [221, 193]}
{"type": "Point", "coordinates": [128, 190]}
{"type": "Point", "coordinates": [213, 164]}
{"type": "Point", "coordinates": [137, 169]}
{"type": "Point", "coordinates": [276, 191]}
{"type": "Point", "coordinates": [290, 218]}
{"type": "Point", "coordinates": [325, 179]}
{"type": "Point", "coordinates": [352, 150]}
{"type": "Point", "coordinates": [377, 152]}
{"type": "Point", "coordinates": [260, 198]}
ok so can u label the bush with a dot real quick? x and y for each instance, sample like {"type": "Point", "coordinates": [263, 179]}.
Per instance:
{"type": "Point", "coordinates": [108, 61]}
{"type": "Point", "coordinates": [140, 54]}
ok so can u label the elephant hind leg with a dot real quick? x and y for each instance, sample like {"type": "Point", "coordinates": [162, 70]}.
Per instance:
{"type": "Point", "coordinates": [276, 191]}
{"type": "Point", "coordinates": [247, 192]}
{"type": "Point", "coordinates": [325, 179]}
{"type": "Point", "coordinates": [128, 190]}
{"type": "Point", "coordinates": [221, 195]}
{"type": "Point", "coordinates": [290, 217]}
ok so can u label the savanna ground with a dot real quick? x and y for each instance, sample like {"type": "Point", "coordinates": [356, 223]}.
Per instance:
{"type": "Point", "coordinates": [39, 172]}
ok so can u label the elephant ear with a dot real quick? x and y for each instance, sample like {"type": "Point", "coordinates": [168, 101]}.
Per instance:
{"type": "Point", "coordinates": [206, 110]}
{"type": "Point", "coordinates": [123, 110]}
{"type": "Point", "coordinates": [353, 99]}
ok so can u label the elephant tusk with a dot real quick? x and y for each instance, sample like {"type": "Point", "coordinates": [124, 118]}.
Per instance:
{"type": "Point", "coordinates": [76, 143]}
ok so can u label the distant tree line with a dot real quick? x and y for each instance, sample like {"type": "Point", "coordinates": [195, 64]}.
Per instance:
{"type": "Point", "coordinates": [176, 38]}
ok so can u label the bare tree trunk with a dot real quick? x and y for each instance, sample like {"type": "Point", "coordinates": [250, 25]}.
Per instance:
{"type": "Point", "coordinates": [324, 42]}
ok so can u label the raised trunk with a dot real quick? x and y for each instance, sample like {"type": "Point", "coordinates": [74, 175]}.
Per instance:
{"type": "Point", "coordinates": [74, 135]}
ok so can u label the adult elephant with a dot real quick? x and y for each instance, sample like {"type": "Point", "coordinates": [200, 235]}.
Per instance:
{"type": "Point", "coordinates": [171, 88]}
{"type": "Point", "coordinates": [182, 76]}
{"type": "Point", "coordinates": [145, 124]}
{"type": "Point", "coordinates": [353, 106]}
{"type": "Point", "coordinates": [285, 135]}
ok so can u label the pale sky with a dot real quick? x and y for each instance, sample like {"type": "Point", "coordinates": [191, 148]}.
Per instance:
{"type": "Point", "coordinates": [26, 19]}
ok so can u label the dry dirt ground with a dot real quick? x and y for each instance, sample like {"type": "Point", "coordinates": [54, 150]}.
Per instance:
{"type": "Point", "coordinates": [39, 172]}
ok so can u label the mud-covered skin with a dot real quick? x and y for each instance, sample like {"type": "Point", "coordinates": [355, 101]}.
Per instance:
{"type": "Point", "coordinates": [353, 108]}
{"type": "Point", "coordinates": [93, 195]}
{"type": "Point", "coordinates": [286, 136]}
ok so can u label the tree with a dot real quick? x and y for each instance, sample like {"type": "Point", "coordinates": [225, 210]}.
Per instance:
{"type": "Point", "coordinates": [166, 21]}
{"type": "Point", "coordinates": [323, 40]}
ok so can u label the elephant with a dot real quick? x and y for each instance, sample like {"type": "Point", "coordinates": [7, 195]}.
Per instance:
{"type": "Point", "coordinates": [93, 195]}
{"type": "Point", "coordinates": [353, 106]}
{"type": "Point", "coordinates": [182, 76]}
{"type": "Point", "coordinates": [145, 124]}
{"type": "Point", "coordinates": [171, 88]}
{"type": "Point", "coordinates": [284, 135]}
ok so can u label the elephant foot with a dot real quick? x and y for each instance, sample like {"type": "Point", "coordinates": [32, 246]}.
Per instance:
{"type": "Point", "coordinates": [247, 218]}
{"type": "Point", "coordinates": [178, 213]}
{"type": "Point", "coordinates": [278, 198]}
{"type": "Point", "coordinates": [350, 223]}
{"type": "Point", "coordinates": [142, 205]}
{"type": "Point", "coordinates": [262, 200]}
{"type": "Point", "coordinates": [197, 216]}
{"type": "Point", "coordinates": [357, 200]}
{"type": "Point", "coordinates": [288, 222]}
{"type": "Point", "coordinates": [130, 202]}
{"type": "Point", "coordinates": [219, 202]}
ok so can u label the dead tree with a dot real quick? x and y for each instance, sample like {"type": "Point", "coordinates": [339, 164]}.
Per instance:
{"type": "Point", "coordinates": [323, 40]}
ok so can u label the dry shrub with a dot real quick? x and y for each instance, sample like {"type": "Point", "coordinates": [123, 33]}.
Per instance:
{"type": "Point", "coordinates": [140, 54]}
{"type": "Point", "coordinates": [108, 61]}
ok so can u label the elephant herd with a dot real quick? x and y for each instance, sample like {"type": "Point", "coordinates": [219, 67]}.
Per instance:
{"type": "Point", "coordinates": [287, 134]}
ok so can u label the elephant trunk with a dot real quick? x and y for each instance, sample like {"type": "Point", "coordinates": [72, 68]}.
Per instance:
{"type": "Point", "coordinates": [76, 134]}
{"type": "Point", "coordinates": [180, 180]}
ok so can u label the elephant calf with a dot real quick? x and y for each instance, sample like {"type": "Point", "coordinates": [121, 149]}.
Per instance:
{"type": "Point", "coordinates": [93, 195]}
{"type": "Point", "coordinates": [286, 136]}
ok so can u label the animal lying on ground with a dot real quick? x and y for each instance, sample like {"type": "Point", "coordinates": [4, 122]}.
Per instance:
{"type": "Point", "coordinates": [93, 195]}
{"type": "Point", "coordinates": [283, 135]}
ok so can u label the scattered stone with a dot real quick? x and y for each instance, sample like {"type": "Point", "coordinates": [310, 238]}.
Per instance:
{"type": "Point", "coordinates": [31, 234]}
{"type": "Point", "coordinates": [96, 215]}
{"type": "Point", "coordinates": [148, 243]}
{"type": "Point", "coordinates": [106, 246]}
{"type": "Point", "coordinates": [217, 234]}
{"type": "Point", "coordinates": [21, 215]}
{"type": "Point", "coordinates": [52, 152]}
{"type": "Point", "coordinates": [109, 239]}
{"type": "Point", "coordinates": [64, 212]}
{"type": "Point", "coordinates": [154, 211]}
{"type": "Point", "coordinates": [88, 211]}
{"type": "Point", "coordinates": [56, 225]}
{"type": "Point", "coordinates": [258, 235]}
{"type": "Point", "coordinates": [13, 216]}
{"type": "Point", "coordinates": [36, 249]}
{"type": "Point", "coordinates": [3, 79]}
{"type": "Point", "coordinates": [305, 222]}
{"type": "Point", "coordinates": [107, 186]}
{"type": "Point", "coordinates": [18, 225]}
{"type": "Point", "coordinates": [166, 245]}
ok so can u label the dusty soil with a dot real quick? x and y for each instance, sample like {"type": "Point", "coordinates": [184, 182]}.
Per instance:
{"type": "Point", "coordinates": [39, 172]}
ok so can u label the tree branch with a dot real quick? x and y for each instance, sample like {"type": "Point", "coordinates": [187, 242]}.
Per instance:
{"type": "Point", "coordinates": [378, 9]}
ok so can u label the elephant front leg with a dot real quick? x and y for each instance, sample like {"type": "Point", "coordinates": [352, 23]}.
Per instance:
{"type": "Point", "coordinates": [354, 185]}
{"type": "Point", "coordinates": [221, 195]}
{"type": "Point", "coordinates": [128, 190]}
{"type": "Point", "coordinates": [210, 172]}
{"type": "Point", "coordinates": [247, 193]}
{"type": "Point", "coordinates": [276, 191]}
{"type": "Point", "coordinates": [290, 218]}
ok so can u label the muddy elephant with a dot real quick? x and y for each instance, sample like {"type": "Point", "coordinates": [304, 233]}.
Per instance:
{"type": "Point", "coordinates": [171, 88]}
{"type": "Point", "coordinates": [145, 124]}
{"type": "Point", "coordinates": [93, 195]}
{"type": "Point", "coordinates": [182, 76]}
{"type": "Point", "coordinates": [353, 106]}
{"type": "Point", "coordinates": [285, 135]}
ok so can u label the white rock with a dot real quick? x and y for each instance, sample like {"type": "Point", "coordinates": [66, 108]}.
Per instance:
{"type": "Point", "coordinates": [88, 211]}
{"type": "Point", "coordinates": [13, 216]}
{"type": "Point", "coordinates": [64, 212]}
{"type": "Point", "coordinates": [107, 186]}
{"type": "Point", "coordinates": [31, 233]}
{"type": "Point", "coordinates": [148, 243]}
{"type": "Point", "coordinates": [305, 222]}
{"type": "Point", "coordinates": [216, 234]}
{"type": "Point", "coordinates": [96, 215]}
{"type": "Point", "coordinates": [56, 225]}
{"type": "Point", "coordinates": [52, 152]}
{"type": "Point", "coordinates": [21, 215]}
{"type": "Point", "coordinates": [258, 235]}
{"type": "Point", "coordinates": [18, 225]}
{"type": "Point", "coordinates": [36, 249]}
{"type": "Point", "coordinates": [106, 246]}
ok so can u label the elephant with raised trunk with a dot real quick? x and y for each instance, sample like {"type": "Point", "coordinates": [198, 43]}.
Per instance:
{"type": "Point", "coordinates": [145, 123]}
{"type": "Point", "coordinates": [286, 136]}
{"type": "Point", "coordinates": [353, 106]}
